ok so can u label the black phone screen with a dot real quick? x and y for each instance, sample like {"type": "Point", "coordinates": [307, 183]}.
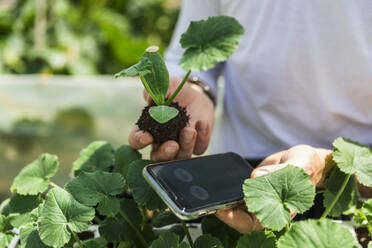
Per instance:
{"type": "Point", "coordinates": [197, 183]}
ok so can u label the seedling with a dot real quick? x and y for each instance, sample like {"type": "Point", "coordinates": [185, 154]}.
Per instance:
{"type": "Point", "coordinates": [206, 42]}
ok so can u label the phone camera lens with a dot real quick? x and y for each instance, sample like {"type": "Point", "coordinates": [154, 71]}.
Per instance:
{"type": "Point", "coordinates": [183, 175]}
{"type": "Point", "coordinates": [199, 192]}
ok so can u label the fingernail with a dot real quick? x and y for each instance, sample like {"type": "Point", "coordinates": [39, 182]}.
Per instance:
{"type": "Point", "coordinates": [259, 173]}
{"type": "Point", "coordinates": [170, 150]}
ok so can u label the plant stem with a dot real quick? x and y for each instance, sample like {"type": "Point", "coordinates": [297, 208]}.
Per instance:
{"type": "Point", "coordinates": [98, 220]}
{"type": "Point", "coordinates": [77, 239]}
{"type": "Point", "coordinates": [339, 193]}
{"type": "Point", "coordinates": [369, 227]}
{"type": "Point", "coordinates": [170, 99]}
{"type": "Point", "coordinates": [54, 185]}
{"type": "Point", "coordinates": [287, 227]}
{"type": "Point", "coordinates": [187, 234]}
{"type": "Point", "coordinates": [147, 87]}
{"type": "Point", "coordinates": [125, 217]}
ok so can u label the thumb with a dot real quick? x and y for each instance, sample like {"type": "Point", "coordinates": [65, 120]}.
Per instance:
{"type": "Point", "coordinates": [266, 169]}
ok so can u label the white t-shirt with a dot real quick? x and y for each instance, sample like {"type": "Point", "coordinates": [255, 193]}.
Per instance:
{"type": "Point", "coordinates": [302, 73]}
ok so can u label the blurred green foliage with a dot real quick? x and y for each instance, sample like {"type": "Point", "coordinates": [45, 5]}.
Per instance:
{"type": "Point", "coordinates": [82, 36]}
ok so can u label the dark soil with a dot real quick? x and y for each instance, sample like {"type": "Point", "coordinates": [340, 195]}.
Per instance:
{"type": "Point", "coordinates": [166, 131]}
{"type": "Point", "coordinates": [363, 236]}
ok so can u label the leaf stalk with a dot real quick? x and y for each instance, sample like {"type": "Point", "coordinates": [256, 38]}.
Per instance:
{"type": "Point", "coordinates": [76, 237]}
{"type": "Point", "coordinates": [125, 217]}
{"type": "Point", "coordinates": [187, 234]}
{"type": "Point", "coordinates": [175, 93]}
{"type": "Point", "coordinates": [339, 193]}
{"type": "Point", "coordinates": [147, 87]}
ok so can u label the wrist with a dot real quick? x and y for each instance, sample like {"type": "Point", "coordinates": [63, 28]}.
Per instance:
{"type": "Point", "coordinates": [205, 88]}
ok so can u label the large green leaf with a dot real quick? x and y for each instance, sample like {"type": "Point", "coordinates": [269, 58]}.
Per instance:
{"type": "Point", "coordinates": [4, 207]}
{"type": "Point", "coordinates": [99, 187]}
{"type": "Point", "coordinates": [60, 216]}
{"type": "Point", "coordinates": [6, 234]}
{"type": "Point", "coordinates": [207, 241]}
{"type": "Point", "coordinates": [143, 194]}
{"type": "Point", "coordinates": [163, 114]}
{"type": "Point", "coordinates": [21, 207]}
{"type": "Point", "coordinates": [348, 198]}
{"type": "Point", "coordinates": [99, 155]}
{"type": "Point", "coordinates": [169, 240]}
{"type": "Point", "coordinates": [34, 178]}
{"type": "Point", "coordinates": [272, 196]}
{"type": "Point", "coordinates": [257, 239]}
{"type": "Point", "coordinates": [213, 226]}
{"type": "Point", "coordinates": [116, 229]}
{"type": "Point", "coordinates": [209, 41]}
{"type": "Point", "coordinates": [30, 237]}
{"type": "Point", "coordinates": [154, 74]}
{"type": "Point", "coordinates": [317, 234]}
{"type": "Point", "coordinates": [125, 155]}
{"type": "Point", "coordinates": [354, 158]}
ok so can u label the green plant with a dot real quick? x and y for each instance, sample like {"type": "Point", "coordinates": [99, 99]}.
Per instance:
{"type": "Point", "coordinates": [110, 191]}
{"type": "Point", "coordinates": [206, 42]}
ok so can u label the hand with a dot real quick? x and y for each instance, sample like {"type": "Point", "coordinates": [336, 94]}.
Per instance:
{"type": "Point", "coordinates": [194, 138]}
{"type": "Point", "coordinates": [312, 160]}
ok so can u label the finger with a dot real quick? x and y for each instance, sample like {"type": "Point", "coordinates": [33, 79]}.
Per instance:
{"type": "Point", "coordinates": [147, 97]}
{"type": "Point", "coordinates": [187, 143]}
{"type": "Point", "coordinates": [138, 139]}
{"type": "Point", "coordinates": [239, 219]}
{"type": "Point", "coordinates": [263, 170]}
{"type": "Point", "coordinates": [166, 151]}
{"type": "Point", "coordinates": [272, 159]}
{"type": "Point", "coordinates": [203, 135]}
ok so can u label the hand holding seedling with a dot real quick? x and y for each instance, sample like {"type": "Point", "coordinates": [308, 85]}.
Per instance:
{"type": "Point", "coordinates": [179, 122]}
{"type": "Point", "coordinates": [193, 139]}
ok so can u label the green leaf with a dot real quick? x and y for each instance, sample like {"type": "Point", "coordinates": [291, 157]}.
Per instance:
{"type": "Point", "coordinates": [60, 215]}
{"type": "Point", "coordinates": [163, 114]}
{"type": "Point", "coordinates": [209, 41]}
{"type": "Point", "coordinates": [270, 197]}
{"type": "Point", "coordinates": [364, 215]}
{"type": "Point", "coordinates": [6, 234]}
{"type": "Point", "coordinates": [20, 207]}
{"type": "Point", "coordinates": [179, 230]}
{"type": "Point", "coordinates": [99, 155]}
{"type": "Point", "coordinates": [164, 219]}
{"type": "Point", "coordinates": [322, 233]}
{"type": "Point", "coordinates": [154, 72]}
{"type": "Point", "coordinates": [143, 194]}
{"type": "Point", "coordinates": [352, 157]}
{"type": "Point", "coordinates": [95, 243]}
{"type": "Point", "coordinates": [257, 239]}
{"type": "Point", "coordinates": [116, 229]}
{"type": "Point", "coordinates": [207, 241]}
{"type": "Point", "coordinates": [5, 239]}
{"type": "Point", "coordinates": [34, 178]}
{"type": "Point", "coordinates": [30, 237]}
{"type": "Point", "coordinates": [99, 187]}
{"type": "Point", "coordinates": [213, 226]}
{"type": "Point", "coordinates": [4, 207]}
{"type": "Point", "coordinates": [370, 244]}
{"type": "Point", "coordinates": [169, 240]}
{"type": "Point", "coordinates": [348, 198]}
{"type": "Point", "coordinates": [125, 155]}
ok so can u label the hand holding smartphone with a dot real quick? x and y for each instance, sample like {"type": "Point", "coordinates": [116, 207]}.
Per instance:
{"type": "Point", "coordinates": [199, 186]}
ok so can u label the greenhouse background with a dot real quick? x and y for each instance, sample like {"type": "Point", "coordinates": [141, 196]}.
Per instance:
{"type": "Point", "coordinates": [57, 58]}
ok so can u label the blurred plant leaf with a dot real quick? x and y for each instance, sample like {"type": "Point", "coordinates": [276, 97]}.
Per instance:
{"type": "Point", "coordinates": [30, 237]}
{"type": "Point", "coordinates": [255, 239]}
{"type": "Point", "coordinates": [34, 178]}
{"type": "Point", "coordinates": [95, 243]}
{"type": "Point", "coordinates": [169, 240]}
{"type": "Point", "coordinates": [207, 241]}
{"type": "Point", "coordinates": [125, 155]}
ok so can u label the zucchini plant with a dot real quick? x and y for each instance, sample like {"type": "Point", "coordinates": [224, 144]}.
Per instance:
{"type": "Point", "coordinates": [108, 190]}
{"type": "Point", "coordinates": [206, 42]}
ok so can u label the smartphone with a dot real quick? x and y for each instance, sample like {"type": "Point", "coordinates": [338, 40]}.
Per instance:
{"type": "Point", "coordinates": [199, 186]}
